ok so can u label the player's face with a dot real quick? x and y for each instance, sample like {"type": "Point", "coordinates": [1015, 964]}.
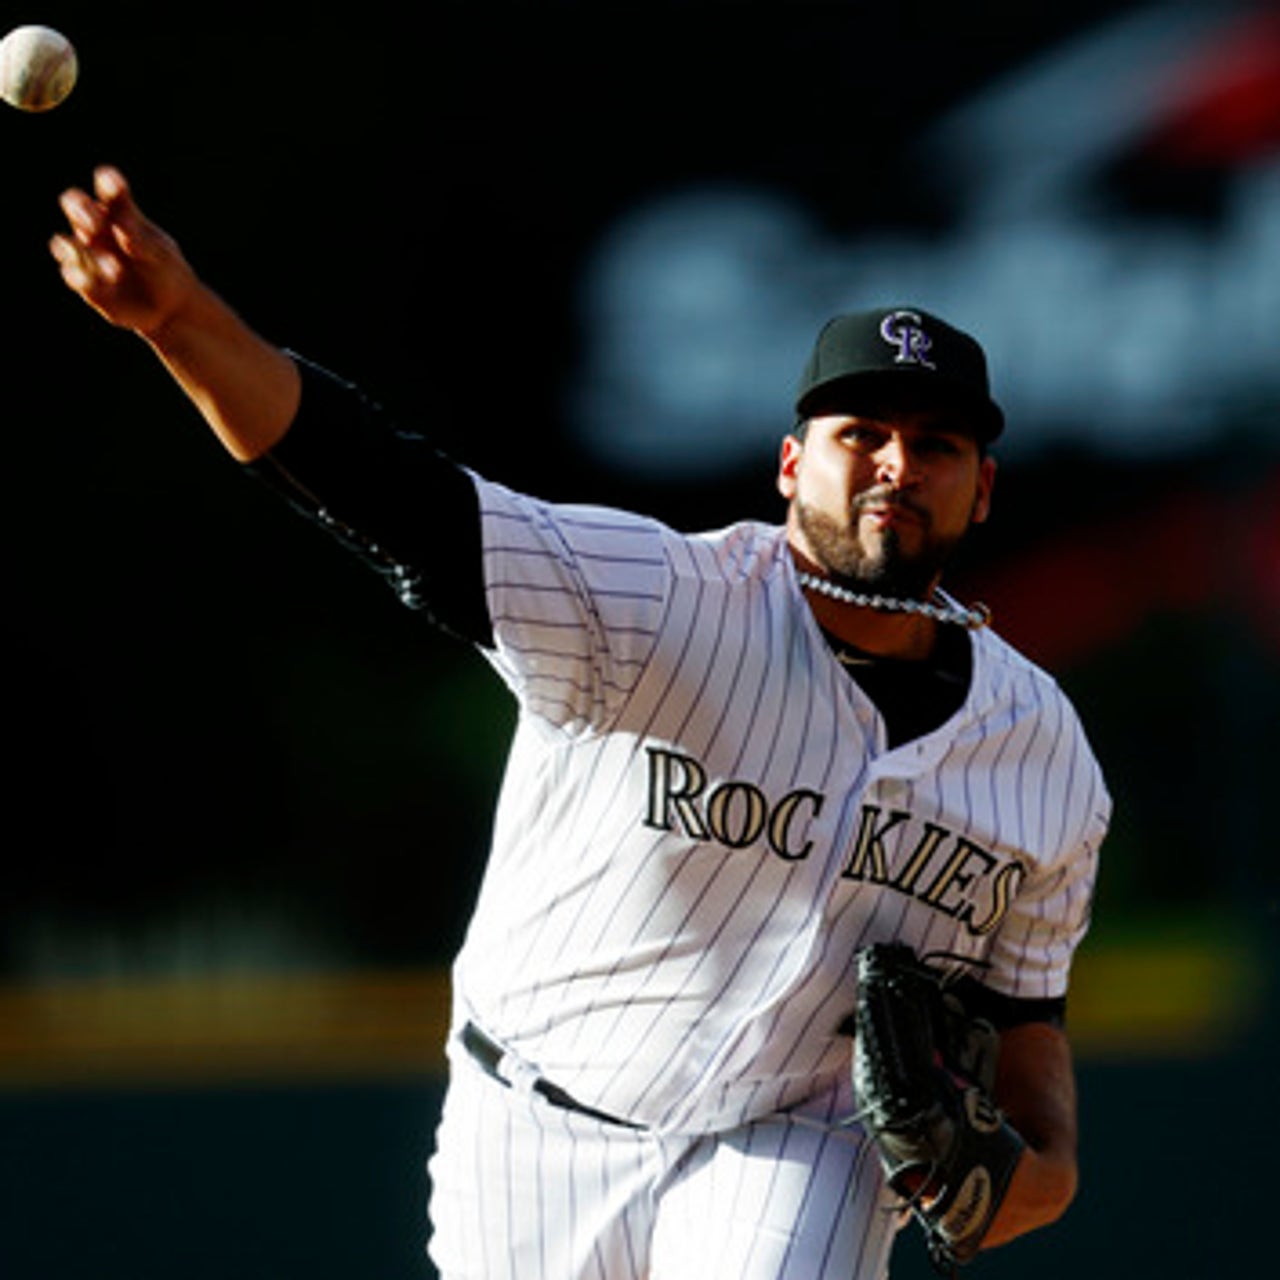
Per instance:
{"type": "Point", "coordinates": [882, 502]}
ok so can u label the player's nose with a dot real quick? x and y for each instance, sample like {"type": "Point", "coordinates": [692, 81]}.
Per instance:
{"type": "Point", "coordinates": [895, 462]}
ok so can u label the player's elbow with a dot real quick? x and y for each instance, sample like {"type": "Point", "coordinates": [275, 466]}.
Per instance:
{"type": "Point", "coordinates": [1062, 1184]}
{"type": "Point", "coordinates": [1057, 1174]}
{"type": "Point", "coordinates": [1041, 1191]}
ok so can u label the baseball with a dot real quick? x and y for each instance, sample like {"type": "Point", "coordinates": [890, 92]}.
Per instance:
{"type": "Point", "coordinates": [38, 68]}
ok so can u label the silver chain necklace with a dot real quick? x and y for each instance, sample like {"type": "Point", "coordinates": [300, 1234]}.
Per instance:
{"type": "Point", "coordinates": [974, 618]}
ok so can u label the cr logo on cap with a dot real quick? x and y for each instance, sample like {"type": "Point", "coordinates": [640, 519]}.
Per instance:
{"type": "Point", "coordinates": [902, 330]}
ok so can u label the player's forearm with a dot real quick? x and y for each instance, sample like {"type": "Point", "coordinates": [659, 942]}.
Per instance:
{"type": "Point", "coordinates": [246, 389]}
{"type": "Point", "coordinates": [1036, 1090]}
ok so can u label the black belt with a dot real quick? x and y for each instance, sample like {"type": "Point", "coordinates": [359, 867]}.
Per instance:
{"type": "Point", "coordinates": [488, 1054]}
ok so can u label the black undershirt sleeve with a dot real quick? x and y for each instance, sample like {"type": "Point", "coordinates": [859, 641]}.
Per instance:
{"type": "Point", "coordinates": [1004, 1011]}
{"type": "Point", "coordinates": [387, 494]}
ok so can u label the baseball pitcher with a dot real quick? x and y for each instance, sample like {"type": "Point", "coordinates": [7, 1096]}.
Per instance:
{"type": "Point", "coordinates": [792, 851]}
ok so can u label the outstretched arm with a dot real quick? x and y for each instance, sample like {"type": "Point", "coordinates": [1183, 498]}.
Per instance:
{"type": "Point", "coordinates": [132, 272]}
{"type": "Point", "coordinates": [343, 462]}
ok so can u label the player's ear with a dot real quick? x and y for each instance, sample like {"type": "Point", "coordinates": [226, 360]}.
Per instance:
{"type": "Point", "coordinates": [788, 462]}
{"type": "Point", "coordinates": [986, 482]}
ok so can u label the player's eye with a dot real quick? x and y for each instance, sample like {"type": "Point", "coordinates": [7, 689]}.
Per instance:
{"type": "Point", "coordinates": [864, 437]}
{"type": "Point", "coordinates": [937, 445]}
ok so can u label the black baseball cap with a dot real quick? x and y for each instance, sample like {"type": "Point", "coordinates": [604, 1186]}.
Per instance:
{"type": "Point", "coordinates": [895, 356]}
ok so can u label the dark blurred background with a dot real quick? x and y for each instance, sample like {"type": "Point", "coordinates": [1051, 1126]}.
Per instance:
{"type": "Point", "coordinates": [589, 245]}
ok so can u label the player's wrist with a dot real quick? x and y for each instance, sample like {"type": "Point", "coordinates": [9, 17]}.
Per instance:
{"type": "Point", "coordinates": [185, 314]}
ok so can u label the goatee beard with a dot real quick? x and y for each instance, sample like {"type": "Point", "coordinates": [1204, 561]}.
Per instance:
{"type": "Point", "coordinates": [880, 568]}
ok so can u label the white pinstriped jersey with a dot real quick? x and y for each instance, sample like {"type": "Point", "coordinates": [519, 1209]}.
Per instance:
{"type": "Point", "coordinates": [701, 824]}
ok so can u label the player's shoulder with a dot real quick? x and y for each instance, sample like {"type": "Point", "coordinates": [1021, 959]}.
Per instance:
{"type": "Point", "coordinates": [739, 553]}
{"type": "Point", "coordinates": [1019, 697]}
{"type": "Point", "coordinates": [745, 549]}
{"type": "Point", "coordinates": [1005, 663]}
{"type": "Point", "coordinates": [745, 541]}
{"type": "Point", "coordinates": [514, 522]}
{"type": "Point", "coordinates": [500, 501]}
{"type": "Point", "coordinates": [1011, 677]}
{"type": "Point", "coordinates": [1014, 683]}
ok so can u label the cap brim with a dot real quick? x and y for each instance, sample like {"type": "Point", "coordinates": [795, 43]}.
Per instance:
{"type": "Point", "coordinates": [880, 390]}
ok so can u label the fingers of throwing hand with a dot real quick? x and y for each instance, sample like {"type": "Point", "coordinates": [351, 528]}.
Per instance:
{"type": "Point", "coordinates": [69, 258]}
{"type": "Point", "coordinates": [111, 223]}
{"type": "Point", "coordinates": [109, 184]}
{"type": "Point", "coordinates": [134, 234]}
{"type": "Point", "coordinates": [83, 215]}
{"type": "Point", "coordinates": [93, 257]}
{"type": "Point", "coordinates": [88, 269]}
{"type": "Point", "coordinates": [116, 259]}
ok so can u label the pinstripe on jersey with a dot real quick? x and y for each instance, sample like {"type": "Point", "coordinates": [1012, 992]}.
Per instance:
{"type": "Point", "coordinates": [700, 823]}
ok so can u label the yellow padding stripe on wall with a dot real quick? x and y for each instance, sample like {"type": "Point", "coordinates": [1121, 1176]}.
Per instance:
{"type": "Point", "coordinates": [1127, 1000]}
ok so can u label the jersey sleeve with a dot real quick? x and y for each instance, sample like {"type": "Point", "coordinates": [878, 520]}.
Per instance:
{"type": "Point", "coordinates": [387, 494]}
{"type": "Point", "coordinates": [576, 597]}
{"type": "Point", "coordinates": [1033, 948]}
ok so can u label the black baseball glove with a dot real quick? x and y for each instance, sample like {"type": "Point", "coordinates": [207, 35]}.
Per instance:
{"type": "Point", "coordinates": [923, 1074]}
